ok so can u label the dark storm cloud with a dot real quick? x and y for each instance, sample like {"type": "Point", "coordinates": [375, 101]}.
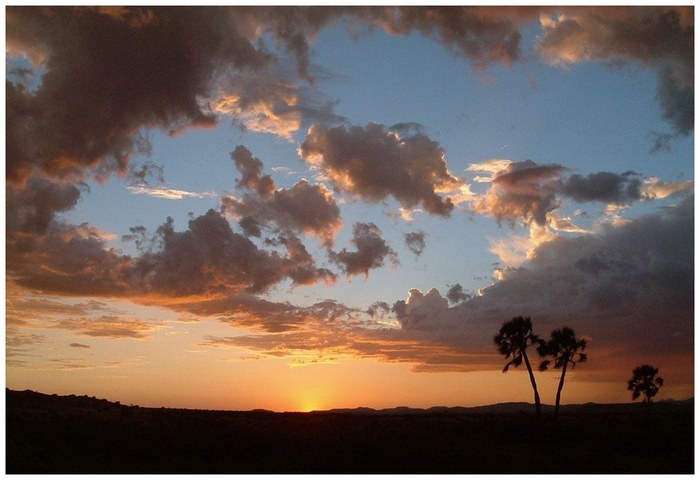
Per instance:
{"type": "Point", "coordinates": [374, 163]}
{"type": "Point", "coordinates": [81, 115]}
{"type": "Point", "coordinates": [372, 251]}
{"type": "Point", "coordinates": [630, 289]}
{"type": "Point", "coordinates": [603, 187]}
{"type": "Point", "coordinates": [415, 242]}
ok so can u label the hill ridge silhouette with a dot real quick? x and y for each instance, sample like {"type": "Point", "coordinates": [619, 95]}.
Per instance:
{"type": "Point", "coordinates": [501, 407]}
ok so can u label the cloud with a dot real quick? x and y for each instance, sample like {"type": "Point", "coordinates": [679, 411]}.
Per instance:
{"type": "Point", "coordinates": [521, 190]}
{"type": "Point", "coordinates": [603, 187]}
{"type": "Point", "coordinates": [374, 163]}
{"type": "Point", "coordinates": [73, 122]}
{"type": "Point", "coordinates": [191, 65]}
{"type": "Point", "coordinates": [304, 208]}
{"type": "Point", "coordinates": [31, 209]}
{"type": "Point", "coordinates": [531, 193]}
{"type": "Point", "coordinates": [456, 294]}
{"type": "Point", "coordinates": [482, 35]}
{"type": "Point", "coordinates": [371, 251]}
{"type": "Point", "coordinates": [415, 242]}
{"type": "Point", "coordinates": [73, 260]}
{"type": "Point", "coordinates": [629, 288]}
{"type": "Point", "coordinates": [166, 193]}
{"type": "Point", "coordinates": [654, 188]}
{"type": "Point", "coordinates": [209, 258]}
{"type": "Point", "coordinates": [109, 326]}
{"type": "Point", "coordinates": [270, 101]}
{"type": "Point", "coordinates": [79, 345]}
{"type": "Point", "coordinates": [658, 37]}
{"type": "Point", "coordinates": [250, 168]}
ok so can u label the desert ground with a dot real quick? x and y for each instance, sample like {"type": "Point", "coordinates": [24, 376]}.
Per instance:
{"type": "Point", "coordinates": [81, 434]}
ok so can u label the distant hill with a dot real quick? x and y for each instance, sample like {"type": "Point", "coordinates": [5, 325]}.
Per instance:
{"type": "Point", "coordinates": [28, 398]}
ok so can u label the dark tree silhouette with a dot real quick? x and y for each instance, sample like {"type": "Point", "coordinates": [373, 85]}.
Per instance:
{"type": "Point", "coordinates": [565, 348]}
{"type": "Point", "coordinates": [644, 381]}
{"type": "Point", "coordinates": [512, 342]}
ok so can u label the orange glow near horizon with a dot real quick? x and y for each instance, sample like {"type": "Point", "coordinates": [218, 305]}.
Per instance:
{"type": "Point", "coordinates": [273, 385]}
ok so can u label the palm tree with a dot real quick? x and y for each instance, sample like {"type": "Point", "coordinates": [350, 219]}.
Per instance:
{"type": "Point", "coordinates": [565, 348]}
{"type": "Point", "coordinates": [512, 342]}
{"type": "Point", "coordinates": [644, 380]}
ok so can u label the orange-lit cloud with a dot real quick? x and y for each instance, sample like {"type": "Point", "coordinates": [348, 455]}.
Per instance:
{"type": "Point", "coordinates": [531, 193]}
{"type": "Point", "coordinates": [520, 191]}
{"type": "Point", "coordinates": [374, 162]}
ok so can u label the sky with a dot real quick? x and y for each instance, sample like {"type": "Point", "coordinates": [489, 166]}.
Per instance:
{"type": "Point", "coordinates": [299, 208]}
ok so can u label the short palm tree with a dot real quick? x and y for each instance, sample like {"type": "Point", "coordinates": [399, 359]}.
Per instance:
{"type": "Point", "coordinates": [512, 341]}
{"type": "Point", "coordinates": [565, 348]}
{"type": "Point", "coordinates": [644, 381]}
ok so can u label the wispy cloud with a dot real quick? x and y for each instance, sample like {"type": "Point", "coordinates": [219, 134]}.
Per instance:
{"type": "Point", "coordinates": [167, 193]}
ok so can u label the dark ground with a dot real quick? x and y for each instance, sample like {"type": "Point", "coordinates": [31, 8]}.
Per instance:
{"type": "Point", "coordinates": [71, 434]}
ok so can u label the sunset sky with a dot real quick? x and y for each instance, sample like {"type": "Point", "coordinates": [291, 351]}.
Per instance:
{"type": "Point", "coordinates": [298, 208]}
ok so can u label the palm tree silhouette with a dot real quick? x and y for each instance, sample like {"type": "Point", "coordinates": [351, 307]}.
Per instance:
{"type": "Point", "coordinates": [564, 347]}
{"type": "Point", "coordinates": [644, 381]}
{"type": "Point", "coordinates": [512, 341]}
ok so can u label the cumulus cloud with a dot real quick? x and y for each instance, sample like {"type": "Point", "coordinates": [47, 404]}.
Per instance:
{"type": "Point", "coordinates": [250, 168]}
{"type": "Point", "coordinates": [207, 259]}
{"type": "Point", "coordinates": [374, 162]}
{"type": "Point", "coordinates": [304, 208]}
{"type": "Point", "coordinates": [629, 288]}
{"type": "Point", "coordinates": [210, 258]}
{"type": "Point", "coordinates": [372, 251]}
{"type": "Point", "coordinates": [531, 193]}
{"type": "Point", "coordinates": [521, 190]}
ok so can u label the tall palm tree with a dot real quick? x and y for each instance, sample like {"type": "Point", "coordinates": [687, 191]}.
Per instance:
{"type": "Point", "coordinates": [644, 380]}
{"type": "Point", "coordinates": [565, 348]}
{"type": "Point", "coordinates": [512, 341]}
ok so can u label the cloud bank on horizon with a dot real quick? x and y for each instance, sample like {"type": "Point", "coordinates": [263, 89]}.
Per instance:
{"type": "Point", "coordinates": [98, 79]}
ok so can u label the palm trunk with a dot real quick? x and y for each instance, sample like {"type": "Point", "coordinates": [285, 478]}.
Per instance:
{"type": "Point", "coordinates": [534, 385]}
{"type": "Point", "coordinates": [559, 388]}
